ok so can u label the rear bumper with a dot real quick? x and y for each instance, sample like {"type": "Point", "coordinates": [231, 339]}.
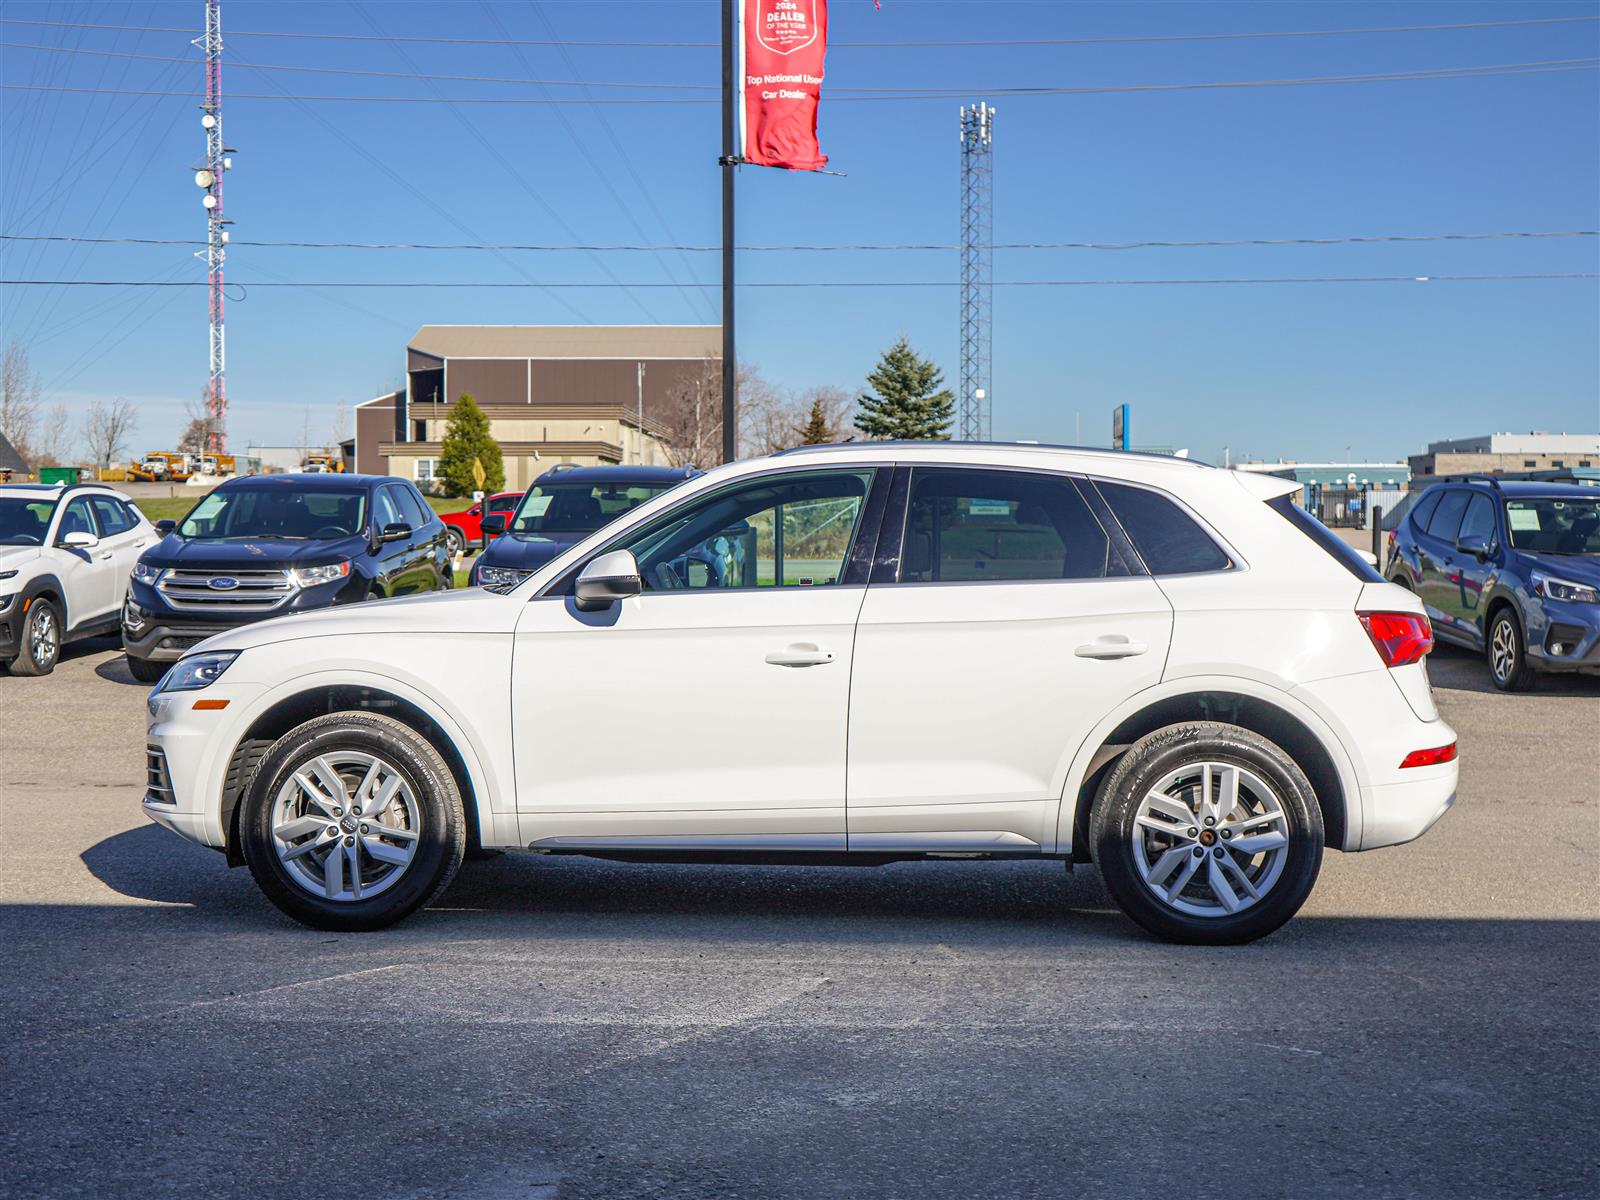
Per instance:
{"type": "Point", "coordinates": [1397, 813]}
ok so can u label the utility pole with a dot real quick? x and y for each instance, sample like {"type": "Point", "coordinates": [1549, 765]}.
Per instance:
{"type": "Point", "coordinates": [977, 271]}
{"type": "Point", "coordinates": [729, 163]}
{"type": "Point", "coordinates": [209, 177]}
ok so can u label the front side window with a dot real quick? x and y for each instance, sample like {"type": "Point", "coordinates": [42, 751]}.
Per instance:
{"type": "Point", "coordinates": [1555, 526]}
{"type": "Point", "coordinates": [790, 531]}
{"type": "Point", "coordinates": [564, 509]}
{"type": "Point", "coordinates": [1169, 540]}
{"type": "Point", "coordinates": [965, 526]}
{"type": "Point", "coordinates": [24, 522]}
{"type": "Point", "coordinates": [75, 519]}
{"type": "Point", "coordinates": [387, 509]}
{"type": "Point", "coordinates": [277, 512]}
{"type": "Point", "coordinates": [1479, 521]}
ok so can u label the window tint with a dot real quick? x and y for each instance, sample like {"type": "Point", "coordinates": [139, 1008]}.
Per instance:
{"type": "Point", "coordinates": [416, 512]}
{"type": "Point", "coordinates": [1479, 520]}
{"type": "Point", "coordinates": [1447, 519]}
{"type": "Point", "coordinates": [1555, 524]}
{"type": "Point", "coordinates": [112, 516]}
{"type": "Point", "coordinates": [792, 531]}
{"type": "Point", "coordinates": [386, 510]}
{"type": "Point", "coordinates": [963, 526]}
{"type": "Point", "coordinates": [1166, 537]}
{"type": "Point", "coordinates": [134, 515]}
{"type": "Point", "coordinates": [75, 519]}
{"type": "Point", "coordinates": [1424, 509]}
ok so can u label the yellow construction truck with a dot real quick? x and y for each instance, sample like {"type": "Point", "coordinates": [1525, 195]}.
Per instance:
{"type": "Point", "coordinates": [322, 464]}
{"type": "Point", "coordinates": [162, 466]}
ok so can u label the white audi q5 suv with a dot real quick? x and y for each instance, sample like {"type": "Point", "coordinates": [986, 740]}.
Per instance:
{"type": "Point", "coordinates": [853, 654]}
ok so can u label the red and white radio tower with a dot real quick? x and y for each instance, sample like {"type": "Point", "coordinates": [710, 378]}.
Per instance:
{"type": "Point", "coordinates": [209, 177]}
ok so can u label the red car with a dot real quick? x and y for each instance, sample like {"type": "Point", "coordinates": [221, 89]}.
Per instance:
{"type": "Point", "coordinates": [465, 529]}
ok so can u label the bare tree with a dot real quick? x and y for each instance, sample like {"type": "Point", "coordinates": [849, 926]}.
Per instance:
{"type": "Point", "coordinates": [197, 431]}
{"type": "Point", "coordinates": [51, 444]}
{"type": "Point", "coordinates": [770, 418]}
{"type": "Point", "coordinates": [20, 393]}
{"type": "Point", "coordinates": [692, 413]}
{"type": "Point", "coordinates": [107, 428]}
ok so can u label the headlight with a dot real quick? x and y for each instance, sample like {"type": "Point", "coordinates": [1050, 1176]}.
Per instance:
{"type": "Point", "coordinates": [145, 573]}
{"type": "Point", "coordinates": [197, 671]}
{"type": "Point", "coordinates": [310, 576]}
{"type": "Point", "coordinates": [501, 579]}
{"type": "Point", "coordinates": [1564, 589]}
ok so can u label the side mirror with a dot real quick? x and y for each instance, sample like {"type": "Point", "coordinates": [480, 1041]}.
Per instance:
{"type": "Point", "coordinates": [607, 579]}
{"type": "Point", "coordinates": [493, 524]}
{"type": "Point", "coordinates": [79, 540]}
{"type": "Point", "coordinates": [395, 531]}
{"type": "Point", "coordinates": [1473, 544]}
{"type": "Point", "coordinates": [165, 527]}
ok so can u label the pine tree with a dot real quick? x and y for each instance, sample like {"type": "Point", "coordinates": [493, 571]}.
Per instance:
{"type": "Point", "coordinates": [467, 440]}
{"type": "Point", "coordinates": [908, 401]}
{"type": "Point", "coordinates": [817, 430]}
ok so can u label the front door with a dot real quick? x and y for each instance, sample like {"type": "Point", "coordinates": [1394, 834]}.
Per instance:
{"type": "Point", "coordinates": [1012, 625]}
{"type": "Point", "coordinates": [710, 710]}
{"type": "Point", "coordinates": [1470, 578]}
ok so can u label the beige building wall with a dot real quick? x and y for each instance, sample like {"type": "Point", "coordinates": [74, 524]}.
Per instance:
{"type": "Point", "coordinates": [1427, 466]}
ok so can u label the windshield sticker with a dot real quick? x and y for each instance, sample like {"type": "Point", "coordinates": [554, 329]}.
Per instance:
{"type": "Point", "coordinates": [1523, 518]}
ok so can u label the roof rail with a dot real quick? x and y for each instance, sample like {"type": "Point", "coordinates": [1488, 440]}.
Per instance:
{"type": "Point", "coordinates": [927, 442]}
{"type": "Point", "coordinates": [1472, 477]}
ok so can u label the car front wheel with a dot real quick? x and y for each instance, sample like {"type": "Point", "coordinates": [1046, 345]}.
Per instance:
{"type": "Point", "coordinates": [1508, 653]}
{"type": "Point", "coordinates": [1207, 833]}
{"type": "Point", "coordinates": [353, 822]}
{"type": "Point", "coordinates": [40, 643]}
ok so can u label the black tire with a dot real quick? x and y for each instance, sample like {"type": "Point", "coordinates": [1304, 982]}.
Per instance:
{"type": "Point", "coordinates": [147, 670]}
{"type": "Point", "coordinates": [1509, 672]}
{"type": "Point", "coordinates": [457, 540]}
{"type": "Point", "coordinates": [441, 834]}
{"type": "Point", "coordinates": [42, 618]}
{"type": "Point", "coordinates": [1158, 755]}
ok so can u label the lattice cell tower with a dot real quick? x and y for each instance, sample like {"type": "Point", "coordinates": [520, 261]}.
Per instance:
{"type": "Point", "coordinates": [209, 178]}
{"type": "Point", "coordinates": [977, 271]}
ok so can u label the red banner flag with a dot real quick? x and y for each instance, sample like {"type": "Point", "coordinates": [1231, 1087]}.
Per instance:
{"type": "Point", "coordinates": [782, 44]}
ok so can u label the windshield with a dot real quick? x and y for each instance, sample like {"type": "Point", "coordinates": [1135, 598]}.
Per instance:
{"type": "Point", "coordinates": [1551, 525]}
{"type": "Point", "coordinates": [579, 507]}
{"type": "Point", "coordinates": [275, 512]}
{"type": "Point", "coordinates": [23, 522]}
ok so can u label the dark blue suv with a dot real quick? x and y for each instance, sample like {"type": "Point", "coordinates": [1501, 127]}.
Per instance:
{"type": "Point", "coordinates": [1509, 568]}
{"type": "Point", "coordinates": [268, 545]}
{"type": "Point", "coordinates": [564, 506]}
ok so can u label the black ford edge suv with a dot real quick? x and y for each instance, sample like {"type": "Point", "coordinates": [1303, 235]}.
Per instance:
{"type": "Point", "coordinates": [269, 545]}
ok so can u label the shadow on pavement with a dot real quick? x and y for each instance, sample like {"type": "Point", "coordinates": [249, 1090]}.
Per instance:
{"type": "Point", "coordinates": [1465, 671]}
{"type": "Point", "coordinates": [115, 670]}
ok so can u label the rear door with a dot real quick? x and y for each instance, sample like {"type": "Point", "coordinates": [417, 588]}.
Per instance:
{"type": "Point", "coordinates": [126, 536]}
{"type": "Point", "coordinates": [1003, 620]}
{"type": "Point", "coordinates": [88, 575]}
{"type": "Point", "coordinates": [429, 558]}
{"type": "Point", "coordinates": [1436, 552]}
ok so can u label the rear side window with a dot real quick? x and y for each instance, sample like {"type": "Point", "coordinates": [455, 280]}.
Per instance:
{"type": "Point", "coordinates": [987, 526]}
{"type": "Point", "coordinates": [1169, 540]}
{"type": "Point", "coordinates": [1421, 514]}
{"type": "Point", "coordinates": [1447, 519]}
{"type": "Point", "coordinates": [417, 514]}
{"type": "Point", "coordinates": [1346, 555]}
{"type": "Point", "coordinates": [112, 516]}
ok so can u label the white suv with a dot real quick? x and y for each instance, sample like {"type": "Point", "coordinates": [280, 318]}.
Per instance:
{"type": "Point", "coordinates": [65, 555]}
{"type": "Point", "coordinates": [844, 655]}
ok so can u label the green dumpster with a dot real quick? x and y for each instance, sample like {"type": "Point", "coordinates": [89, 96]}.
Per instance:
{"type": "Point", "coordinates": [58, 474]}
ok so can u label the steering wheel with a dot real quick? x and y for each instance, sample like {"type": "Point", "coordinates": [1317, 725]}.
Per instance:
{"type": "Point", "coordinates": [666, 578]}
{"type": "Point", "coordinates": [332, 531]}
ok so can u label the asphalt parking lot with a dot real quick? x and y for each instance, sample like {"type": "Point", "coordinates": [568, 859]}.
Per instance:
{"type": "Point", "coordinates": [568, 1028]}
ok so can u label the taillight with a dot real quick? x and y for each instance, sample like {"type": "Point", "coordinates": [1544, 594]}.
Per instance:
{"type": "Point", "coordinates": [1430, 758]}
{"type": "Point", "coordinates": [1400, 637]}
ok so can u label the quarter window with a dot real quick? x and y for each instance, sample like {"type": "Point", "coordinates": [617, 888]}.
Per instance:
{"type": "Point", "coordinates": [1169, 540]}
{"type": "Point", "coordinates": [790, 531]}
{"type": "Point", "coordinates": [990, 526]}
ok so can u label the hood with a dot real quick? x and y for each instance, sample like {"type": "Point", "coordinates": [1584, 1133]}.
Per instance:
{"type": "Point", "coordinates": [233, 554]}
{"type": "Point", "coordinates": [468, 610]}
{"type": "Point", "coordinates": [12, 557]}
{"type": "Point", "coordinates": [1579, 568]}
{"type": "Point", "coordinates": [528, 551]}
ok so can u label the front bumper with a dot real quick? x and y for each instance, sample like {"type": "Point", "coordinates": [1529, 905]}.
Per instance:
{"type": "Point", "coordinates": [1574, 628]}
{"type": "Point", "coordinates": [186, 758]}
{"type": "Point", "coordinates": [166, 635]}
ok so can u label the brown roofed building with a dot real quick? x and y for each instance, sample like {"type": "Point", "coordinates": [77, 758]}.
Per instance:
{"type": "Point", "coordinates": [587, 394]}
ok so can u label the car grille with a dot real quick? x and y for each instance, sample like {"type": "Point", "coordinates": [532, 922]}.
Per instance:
{"type": "Point", "coordinates": [157, 783]}
{"type": "Point", "coordinates": [253, 591]}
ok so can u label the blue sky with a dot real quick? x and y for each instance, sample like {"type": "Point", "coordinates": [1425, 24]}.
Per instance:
{"type": "Point", "coordinates": [1300, 371]}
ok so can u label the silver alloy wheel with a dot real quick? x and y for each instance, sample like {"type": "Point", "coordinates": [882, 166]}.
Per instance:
{"type": "Point", "coordinates": [42, 636]}
{"type": "Point", "coordinates": [1503, 649]}
{"type": "Point", "coordinates": [1210, 839]}
{"type": "Point", "coordinates": [345, 825]}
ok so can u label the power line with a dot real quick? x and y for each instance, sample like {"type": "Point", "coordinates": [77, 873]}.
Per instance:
{"type": "Point", "coordinates": [881, 45]}
{"type": "Point", "coordinates": [916, 283]}
{"type": "Point", "coordinates": [1358, 240]}
{"type": "Point", "coordinates": [869, 95]}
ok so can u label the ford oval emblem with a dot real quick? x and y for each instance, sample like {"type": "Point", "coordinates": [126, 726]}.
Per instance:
{"type": "Point", "coordinates": [223, 583]}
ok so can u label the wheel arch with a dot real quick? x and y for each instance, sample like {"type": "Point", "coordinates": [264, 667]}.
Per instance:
{"type": "Point", "coordinates": [1234, 702]}
{"type": "Point", "coordinates": [293, 710]}
{"type": "Point", "coordinates": [48, 586]}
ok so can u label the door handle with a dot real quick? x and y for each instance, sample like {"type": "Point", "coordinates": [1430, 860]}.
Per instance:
{"type": "Point", "coordinates": [800, 654]}
{"type": "Point", "coordinates": [103, 557]}
{"type": "Point", "coordinates": [1112, 645]}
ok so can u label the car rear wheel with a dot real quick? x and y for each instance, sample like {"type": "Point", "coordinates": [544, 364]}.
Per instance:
{"type": "Point", "coordinates": [457, 540]}
{"type": "Point", "coordinates": [1207, 833]}
{"type": "Point", "coordinates": [1508, 653]}
{"type": "Point", "coordinates": [353, 822]}
{"type": "Point", "coordinates": [40, 643]}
